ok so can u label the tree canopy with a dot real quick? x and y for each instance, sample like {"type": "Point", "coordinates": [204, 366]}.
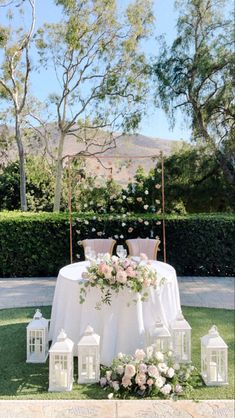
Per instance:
{"type": "Point", "coordinates": [195, 74]}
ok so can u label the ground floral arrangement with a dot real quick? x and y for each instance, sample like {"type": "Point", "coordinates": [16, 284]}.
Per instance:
{"type": "Point", "coordinates": [113, 273]}
{"type": "Point", "coordinates": [145, 376]}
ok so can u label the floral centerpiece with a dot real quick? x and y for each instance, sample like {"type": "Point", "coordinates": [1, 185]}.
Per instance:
{"type": "Point", "coordinates": [146, 375]}
{"type": "Point", "coordinates": [113, 273]}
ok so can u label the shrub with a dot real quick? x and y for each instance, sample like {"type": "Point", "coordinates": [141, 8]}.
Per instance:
{"type": "Point", "coordinates": [38, 244]}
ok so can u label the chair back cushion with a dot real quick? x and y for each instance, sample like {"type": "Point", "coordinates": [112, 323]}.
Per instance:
{"type": "Point", "coordinates": [100, 245]}
{"type": "Point", "coordinates": [147, 246]}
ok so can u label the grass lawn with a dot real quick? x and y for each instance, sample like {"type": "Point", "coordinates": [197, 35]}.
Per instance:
{"type": "Point", "coordinates": [30, 381]}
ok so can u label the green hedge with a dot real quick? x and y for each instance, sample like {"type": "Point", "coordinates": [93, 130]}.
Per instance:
{"type": "Point", "coordinates": [38, 244]}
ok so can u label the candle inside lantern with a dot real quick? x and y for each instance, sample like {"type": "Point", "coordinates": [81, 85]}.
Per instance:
{"type": "Point", "coordinates": [90, 367]}
{"type": "Point", "coordinates": [213, 371]}
{"type": "Point", "coordinates": [37, 346]}
{"type": "Point", "coordinates": [63, 378]}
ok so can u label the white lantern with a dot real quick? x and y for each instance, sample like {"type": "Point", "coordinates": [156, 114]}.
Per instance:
{"type": "Point", "coordinates": [159, 337]}
{"type": "Point", "coordinates": [61, 364]}
{"type": "Point", "coordinates": [181, 339]}
{"type": "Point", "coordinates": [89, 357]}
{"type": "Point", "coordinates": [214, 359]}
{"type": "Point", "coordinates": [37, 339]}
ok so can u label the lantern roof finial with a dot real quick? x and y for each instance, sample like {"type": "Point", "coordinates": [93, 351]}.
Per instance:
{"type": "Point", "coordinates": [38, 314]}
{"type": "Point", "coordinates": [213, 332]}
{"type": "Point", "coordinates": [62, 335]}
{"type": "Point", "coordinates": [89, 330]}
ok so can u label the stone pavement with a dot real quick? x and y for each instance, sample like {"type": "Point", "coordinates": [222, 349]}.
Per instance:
{"type": "Point", "coordinates": [117, 409]}
{"type": "Point", "coordinates": [210, 292]}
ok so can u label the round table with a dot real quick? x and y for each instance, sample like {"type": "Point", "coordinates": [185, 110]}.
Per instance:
{"type": "Point", "coordinates": [122, 328]}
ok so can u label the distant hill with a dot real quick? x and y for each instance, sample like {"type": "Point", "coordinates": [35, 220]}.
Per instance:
{"type": "Point", "coordinates": [130, 152]}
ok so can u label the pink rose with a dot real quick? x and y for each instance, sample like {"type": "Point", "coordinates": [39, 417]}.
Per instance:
{"type": "Point", "coordinates": [153, 371]}
{"type": "Point", "coordinates": [140, 355]}
{"type": "Point", "coordinates": [130, 370]}
{"type": "Point", "coordinates": [121, 276]}
{"type": "Point", "coordinates": [140, 379]}
{"type": "Point", "coordinates": [126, 381]}
{"type": "Point", "coordinates": [143, 256]}
{"type": "Point", "coordinates": [130, 272]}
{"type": "Point", "coordinates": [107, 272]}
{"type": "Point", "coordinates": [143, 368]}
{"type": "Point", "coordinates": [126, 262]}
{"type": "Point", "coordinates": [102, 267]}
{"type": "Point", "coordinates": [150, 382]}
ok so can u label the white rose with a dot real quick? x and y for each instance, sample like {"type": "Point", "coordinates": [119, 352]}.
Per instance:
{"type": "Point", "coordinates": [116, 386]}
{"type": "Point", "coordinates": [166, 389]}
{"type": "Point", "coordinates": [159, 356]}
{"type": "Point", "coordinates": [176, 366]}
{"type": "Point", "coordinates": [159, 382]}
{"type": "Point", "coordinates": [120, 369]}
{"type": "Point", "coordinates": [170, 372]}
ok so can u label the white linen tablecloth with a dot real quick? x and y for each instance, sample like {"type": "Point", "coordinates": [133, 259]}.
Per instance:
{"type": "Point", "coordinates": [121, 327]}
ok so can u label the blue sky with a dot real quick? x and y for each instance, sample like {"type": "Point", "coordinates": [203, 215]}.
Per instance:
{"type": "Point", "coordinates": [155, 124]}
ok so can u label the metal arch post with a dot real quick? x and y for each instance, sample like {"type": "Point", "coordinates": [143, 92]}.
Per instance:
{"type": "Point", "coordinates": [163, 210]}
{"type": "Point", "coordinates": [70, 212]}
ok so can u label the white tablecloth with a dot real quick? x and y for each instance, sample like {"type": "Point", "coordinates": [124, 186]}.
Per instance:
{"type": "Point", "coordinates": [121, 327]}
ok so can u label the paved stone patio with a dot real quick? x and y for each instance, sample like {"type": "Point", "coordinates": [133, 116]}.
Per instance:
{"type": "Point", "coordinates": [210, 292]}
{"type": "Point", "coordinates": [117, 409]}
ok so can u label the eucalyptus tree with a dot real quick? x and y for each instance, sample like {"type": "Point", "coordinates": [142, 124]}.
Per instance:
{"type": "Point", "coordinates": [101, 71]}
{"type": "Point", "coordinates": [195, 75]}
{"type": "Point", "coordinates": [15, 69]}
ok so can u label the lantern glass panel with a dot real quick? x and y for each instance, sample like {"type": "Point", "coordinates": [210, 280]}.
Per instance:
{"type": "Point", "coordinates": [36, 342]}
{"type": "Point", "coordinates": [60, 371]}
{"type": "Point", "coordinates": [88, 365]}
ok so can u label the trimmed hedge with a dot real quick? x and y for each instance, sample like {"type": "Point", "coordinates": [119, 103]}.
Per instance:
{"type": "Point", "coordinates": [38, 244]}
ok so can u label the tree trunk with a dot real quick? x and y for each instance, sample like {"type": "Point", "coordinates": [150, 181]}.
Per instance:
{"type": "Point", "coordinates": [59, 174]}
{"type": "Point", "coordinates": [23, 200]}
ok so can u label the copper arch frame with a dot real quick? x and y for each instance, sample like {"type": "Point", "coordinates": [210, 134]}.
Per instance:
{"type": "Point", "coordinates": [116, 157]}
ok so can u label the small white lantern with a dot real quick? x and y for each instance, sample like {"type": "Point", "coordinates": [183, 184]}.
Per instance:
{"type": "Point", "coordinates": [89, 357]}
{"type": "Point", "coordinates": [214, 359]}
{"type": "Point", "coordinates": [181, 338]}
{"type": "Point", "coordinates": [61, 364]}
{"type": "Point", "coordinates": [37, 339]}
{"type": "Point", "coordinates": [159, 337]}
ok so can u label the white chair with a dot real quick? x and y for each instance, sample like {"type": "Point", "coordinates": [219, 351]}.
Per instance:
{"type": "Point", "coordinates": [147, 246]}
{"type": "Point", "coordinates": [99, 245]}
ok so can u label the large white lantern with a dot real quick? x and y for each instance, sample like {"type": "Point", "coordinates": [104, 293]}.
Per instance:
{"type": "Point", "coordinates": [214, 359]}
{"type": "Point", "coordinates": [37, 339]}
{"type": "Point", "coordinates": [181, 339]}
{"type": "Point", "coordinates": [159, 337]}
{"type": "Point", "coordinates": [89, 357]}
{"type": "Point", "coordinates": [61, 364]}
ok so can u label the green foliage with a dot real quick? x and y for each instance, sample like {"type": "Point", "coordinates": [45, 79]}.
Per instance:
{"type": "Point", "coordinates": [194, 182]}
{"type": "Point", "coordinates": [196, 75]}
{"type": "Point", "coordinates": [39, 181]}
{"type": "Point", "coordinates": [21, 380]}
{"type": "Point", "coordinates": [38, 244]}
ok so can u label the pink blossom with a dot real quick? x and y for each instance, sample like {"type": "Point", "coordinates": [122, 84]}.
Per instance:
{"type": "Point", "coordinates": [102, 267]}
{"type": "Point", "coordinates": [140, 379]}
{"type": "Point", "coordinates": [121, 276]}
{"type": "Point", "coordinates": [127, 262]}
{"type": "Point", "coordinates": [130, 272]}
{"type": "Point", "coordinates": [107, 272]}
{"type": "Point", "coordinates": [178, 389]}
{"type": "Point", "coordinates": [143, 387]}
{"type": "Point", "coordinates": [130, 370]}
{"type": "Point", "coordinates": [140, 355]}
{"type": "Point", "coordinates": [126, 381]}
{"type": "Point", "coordinates": [143, 256]}
{"type": "Point", "coordinates": [143, 368]}
{"type": "Point", "coordinates": [150, 382]}
{"type": "Point", "coordinates": [153, 371]}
